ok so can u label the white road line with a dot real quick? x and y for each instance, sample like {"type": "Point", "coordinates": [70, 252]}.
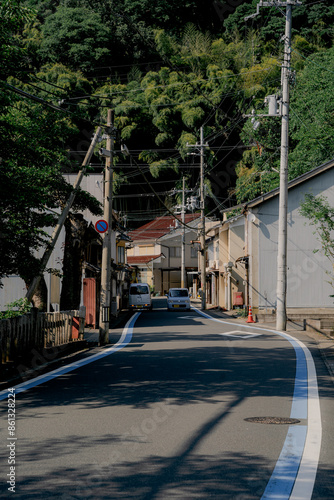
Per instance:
{"type": "Point", "coordinates": [188, 317]}
{"type": "Point", "coordinates": [286, 468]}
{"type": "Point", "coordinates": [306, 392]}
{"type": "Point", "coordinates": [240, 335]}
{"type": "Point", "coordinates": [304, 483]}
{"type": "Point", "coordinates": [122, 342]}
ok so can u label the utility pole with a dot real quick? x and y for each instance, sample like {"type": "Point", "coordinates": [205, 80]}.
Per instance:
{"type": "Point", "coordinates": [202, 228]}
{"type": "Point", "coordinates": [105, 296]}
{"type": "Point", "coordinates": [183, 233]}
{"type": "Point", "coordinates": [281, 290]}
{"type": "Point", "coordinates": [183, 238]}
{"type": "Point", "coordinates": [201, 147]}
{"type": "Point", "coordinates": [62, 217]}
{"type": "Point", "coordinates": [283, 193]}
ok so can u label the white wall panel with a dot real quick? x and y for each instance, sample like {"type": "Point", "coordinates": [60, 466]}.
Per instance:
{"type": "Point", "coordinates": [307, 271]}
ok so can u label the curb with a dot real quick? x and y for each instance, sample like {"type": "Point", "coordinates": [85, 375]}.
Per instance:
{"type": "Point", "coordinates": [66, 352]}
{"type": "Point", "coordinates": [324, 342]}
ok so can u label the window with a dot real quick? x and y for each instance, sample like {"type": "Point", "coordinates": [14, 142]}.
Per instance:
{"type": "Point", "coordinates": [193, 252]}
{"type": "Point", "coordinates": [120, 255]}
{"type": "Point", "coordinates": [216, 257]}
{"type": "Point", "coordinates": [178, 293]}
{"type": "Point", "coordinates": [139, 289]}
{"type": "Point", "coordinates": [175, 251]}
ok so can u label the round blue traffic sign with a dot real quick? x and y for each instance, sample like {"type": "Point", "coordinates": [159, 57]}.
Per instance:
{"type": "Point", "coordinates": [101, 226]}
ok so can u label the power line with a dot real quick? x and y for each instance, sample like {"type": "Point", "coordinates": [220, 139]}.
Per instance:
{"type": "Point", "coordinates": [41, 101]}
{"type": "Point", "coordinates": [180, 83]}
{"type": "Point", "coordinates": [140, 195]}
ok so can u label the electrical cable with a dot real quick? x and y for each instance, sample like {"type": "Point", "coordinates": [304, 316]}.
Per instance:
{"type": "Point", "coordinates": [214, 109]}
{"type": "Point", "coordinates": [43, 102]}
{"type": "Point", "coordinates": [157, 195]}
{"type": "Point", "coordinates": [246, 181]}
{"type": "Point", "coordinates": [166, 86]}
{"type": "Point", "coordinates": [309, 60]}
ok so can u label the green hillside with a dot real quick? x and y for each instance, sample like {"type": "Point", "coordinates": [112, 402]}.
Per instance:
{"type": "Point", "coordinates": [165, 71]}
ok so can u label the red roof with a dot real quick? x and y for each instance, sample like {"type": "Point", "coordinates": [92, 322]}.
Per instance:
{"type": "Point", "coordinates": [159, 227]}
{"type": "Point", "coordinates": [141, 259]}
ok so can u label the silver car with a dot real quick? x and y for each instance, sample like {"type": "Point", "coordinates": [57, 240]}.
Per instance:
{"type": "Point", "coordinates": [178, 298]}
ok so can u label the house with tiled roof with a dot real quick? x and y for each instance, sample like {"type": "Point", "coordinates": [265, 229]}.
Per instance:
{"type": "Point", "coordinates": [155, 251]}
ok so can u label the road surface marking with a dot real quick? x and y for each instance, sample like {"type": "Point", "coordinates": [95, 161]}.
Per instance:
{"type": "Point", "coordinates": [305, 404]}
{"type": "Point", "coordinates": [240, 335]}
{"type": "Point", "coordinates": [286, 469]}
{"type": "Point", "coordinates": [188, 317]}
{"type": "Point", "coordinates": [122, 342]}
{"type": "Point", "coordinates": [304, 483]}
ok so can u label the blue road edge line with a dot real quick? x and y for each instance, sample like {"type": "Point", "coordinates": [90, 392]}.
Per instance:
{"type": "Point", "coordinates": [305, 401]}
{"type": "Point", "coordinates": [285, 472]}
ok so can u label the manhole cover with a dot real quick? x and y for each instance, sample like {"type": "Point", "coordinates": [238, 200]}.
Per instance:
{"type": "Point", "coordinates": [272, 420]}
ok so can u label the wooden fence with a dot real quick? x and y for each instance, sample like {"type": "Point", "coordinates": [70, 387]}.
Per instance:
{"type": "Point", "coordinates": [21, 335]}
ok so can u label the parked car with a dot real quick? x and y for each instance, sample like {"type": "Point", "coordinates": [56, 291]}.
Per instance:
{"type": "Point", "coordinates": [178, 298]}
{"type": "Point", "coordinates": [140, 296]}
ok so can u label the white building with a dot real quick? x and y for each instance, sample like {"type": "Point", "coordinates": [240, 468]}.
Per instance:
{"type": "Point", "coordinates": [308, 287]}
{"type": "Point", "coordinates": [156, 252]}
{"type": "Point", "coordinates": [14, 287]}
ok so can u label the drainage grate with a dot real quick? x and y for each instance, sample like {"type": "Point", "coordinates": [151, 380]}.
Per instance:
{"type": "Point", "coordinates": [272, 420]}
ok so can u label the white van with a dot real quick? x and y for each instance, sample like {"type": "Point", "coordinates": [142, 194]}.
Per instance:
{"type": "Point", "coordinates": [140, 296]}
{"type": "Point", "coordinates": [178, 298]}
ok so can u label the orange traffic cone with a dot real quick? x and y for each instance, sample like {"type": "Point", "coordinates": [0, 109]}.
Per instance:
{"type": "Point", "coordinates": [250, 317]}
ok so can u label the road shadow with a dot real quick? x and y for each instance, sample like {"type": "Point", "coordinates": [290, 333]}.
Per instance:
{"type": "Point", "coordinates": [221, 375]}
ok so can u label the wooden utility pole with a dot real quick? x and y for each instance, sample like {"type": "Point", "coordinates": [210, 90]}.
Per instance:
{"type": "Point", "coordinates": [105, 296]}
{"type": "Point", "coordinates": [56, 232]}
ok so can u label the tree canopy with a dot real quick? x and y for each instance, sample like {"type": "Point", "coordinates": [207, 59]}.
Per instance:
{"type": "Point", "coordinates": [33, 141]}
{"type": "Point", "coordinates": [165, 72]}
{"type": "Point", "coordinates": [312, 114]}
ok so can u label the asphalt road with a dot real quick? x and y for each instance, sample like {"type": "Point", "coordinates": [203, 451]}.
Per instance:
{"type": "Point", "coordinates": [163, 416]}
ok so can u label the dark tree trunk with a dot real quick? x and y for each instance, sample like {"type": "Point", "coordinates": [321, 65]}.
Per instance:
{"type": "Point", "coordinates": [28, 271]}
{"type": "Point", "coordinates": [40, 297]}
{"type": "Point", "coordinates": [74, 253]}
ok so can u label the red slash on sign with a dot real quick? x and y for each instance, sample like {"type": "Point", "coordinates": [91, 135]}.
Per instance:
{"type": "Point", "coordinates": [101, 226]}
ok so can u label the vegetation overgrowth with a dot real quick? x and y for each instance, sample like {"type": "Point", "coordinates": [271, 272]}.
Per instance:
{"type": "Point", "coordinates": [165, 72]}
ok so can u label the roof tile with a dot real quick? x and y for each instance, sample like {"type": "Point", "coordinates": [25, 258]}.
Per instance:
{"type": "Point", "coordinates": [159, 227]}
